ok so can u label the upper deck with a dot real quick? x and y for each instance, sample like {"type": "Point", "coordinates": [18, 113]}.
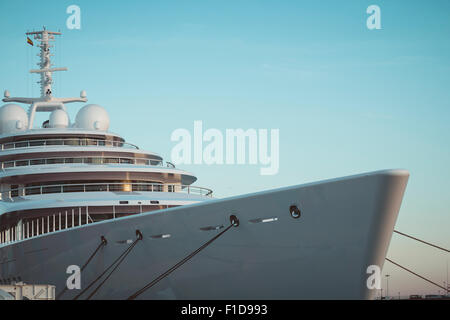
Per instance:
{"type": "Point", "coordinates": [79, 155]}
{"type": "Point", "coordinates": [68, 136]}
{"type": "Point", "coordinates": [68, 142]}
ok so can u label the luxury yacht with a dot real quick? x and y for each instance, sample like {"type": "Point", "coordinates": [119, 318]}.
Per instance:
{"type": "Point", "coordinates": [92, 214]}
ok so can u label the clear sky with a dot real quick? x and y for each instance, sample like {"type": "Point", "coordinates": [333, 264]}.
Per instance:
{"type": "Point", "coordinates": [345, 98]}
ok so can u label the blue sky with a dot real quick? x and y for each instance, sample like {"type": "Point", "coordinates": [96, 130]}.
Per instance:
{"type": "Point", "coordinates": [346, 99]}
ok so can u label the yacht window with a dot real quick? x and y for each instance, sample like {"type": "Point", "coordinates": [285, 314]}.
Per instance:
{"type": "Point", "coordinates": [72, 142]}
{"type": "Point", "coordinates": [36, 162]}
{"type": "Point", "coordinates": [90, 142]}
{"type": "Point", "coordinates": [54, 142]}
{"type": "Point", "coordinates": [142, 161]}
{"type": "Point", "coordinates": [8, 164]}
{"type": "Point", "coordinates": [55, 189]}
{"type": "Point", "coordinates": [37, 143]}
{"type": "Point", "coordinates": [73, 188]}
{"type": "Point", "coordinates": [14, 193]}
{"type": "Point", "coordinates": [55, 161]}
{"type": "Point", "coordinates": [21, 144]}
{"type": "Point", "coordinates": [115, 187]}
{"type": "Point", "coordinates": [96, 187]}
{"type": "Point", "coordinates": [97, 160]}
{"type": "Point", "coordinates": [128, 161]}
{"type": "Point", "coordinates": [21, 163]}
{"type": "Point", "coordinates": [32, 190]}
{"type": "Point", "coordinates": [111, 160]}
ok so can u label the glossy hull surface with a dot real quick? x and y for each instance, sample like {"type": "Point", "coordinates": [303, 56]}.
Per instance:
{"type": "Point", "coordinates": [346, 225]}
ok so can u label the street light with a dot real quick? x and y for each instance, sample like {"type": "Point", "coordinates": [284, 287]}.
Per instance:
{"type": "Point", "coordinates": [387, 286]}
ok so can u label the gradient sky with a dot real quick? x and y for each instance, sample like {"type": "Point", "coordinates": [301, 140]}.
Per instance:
{"type": "Point", "coordinates": [346, 99]}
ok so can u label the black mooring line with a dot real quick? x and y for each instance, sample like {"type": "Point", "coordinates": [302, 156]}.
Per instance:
{"type": "Point", "coordinates": [416, 274]}
{"type": "Point", "coordinates": [138, 233]}
{"type": "Point", "coordinates": [417, 239]}
{"type": "Point", "coordinates": [102, 243]}
{"type": "Point", "coordinates": [234, 223]}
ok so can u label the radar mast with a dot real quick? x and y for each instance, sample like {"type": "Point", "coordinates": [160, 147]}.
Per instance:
{"type": "Point", "coordinates": [46, 102]}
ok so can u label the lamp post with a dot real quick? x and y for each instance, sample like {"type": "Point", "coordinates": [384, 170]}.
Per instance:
{"type": "Point", "coordinates": [387, 286]}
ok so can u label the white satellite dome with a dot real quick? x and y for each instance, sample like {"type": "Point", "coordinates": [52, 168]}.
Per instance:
{"type": "Point", "coordinates": [59, 119]}
{"type": "Point", "coordinates": [12, 118]}
{"type": "Point", "coordinates": [92, 117]}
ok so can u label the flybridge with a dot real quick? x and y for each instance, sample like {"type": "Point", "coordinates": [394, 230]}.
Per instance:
{"type": "Point", "coordinates": [46, 102]}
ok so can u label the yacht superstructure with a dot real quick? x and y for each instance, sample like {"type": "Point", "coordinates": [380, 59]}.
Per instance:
{"type": "Point", "coordinates": [63, 159]}
{"type": "Point", "coordinates": [67, 184]}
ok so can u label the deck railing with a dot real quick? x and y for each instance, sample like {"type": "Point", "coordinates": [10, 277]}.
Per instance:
{"type": "Point", "coordinates": [67, 219]}
{"type": "Point", "coordinates": [64, 220]}
{"type": "Point", "coordinates": [81, 160]}
{"type": "Point", "coordinates": [105, 187]}
{"type": "Point", "coordinates": [82, 142]}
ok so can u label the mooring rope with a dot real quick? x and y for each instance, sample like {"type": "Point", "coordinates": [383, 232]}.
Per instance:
{"type": "Point", "coordinates": [123, 255]}
{"type": "Point", "coordinates": [412, 272]}
{"type": "Point", "coordinates": [418, 275]}
{"type": "Point", "coordinates": [139, 234]}
{"type": "Point", "coordinates": [103, 242]}
{"type": "Point", "coordinates": [234, 223]}
{"type": "Point", "coordinates": [417, 239]}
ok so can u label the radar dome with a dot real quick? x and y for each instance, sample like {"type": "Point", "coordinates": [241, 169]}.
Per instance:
{"type": "Point", "coordinates": [58, 119]}
{"type": "Point", "coordinates": [12, 118]}
{"type": "Point", "coordinates": [92, 117]}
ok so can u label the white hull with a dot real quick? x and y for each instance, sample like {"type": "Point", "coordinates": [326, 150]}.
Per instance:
{"type": "Point", "coordinates": [346, 225]}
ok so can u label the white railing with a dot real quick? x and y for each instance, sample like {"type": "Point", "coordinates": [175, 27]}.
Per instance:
{"type": "Point", "coordinates": [83, 142]}
{"type": "Point", "coordinates": [67, 219]}
{"type": "Point", "coordinates": [64, 220]}
{"type": "Point", "coordinates": [105, 187]}
{"type": "Point", "coordinates": [83, 160]}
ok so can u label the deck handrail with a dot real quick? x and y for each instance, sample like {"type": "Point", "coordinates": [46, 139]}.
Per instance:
{"type": "Point", "coordinates": [105, 187]}
{"type": "Point", "coordinates": [74, 142]}
{"type": "Point", "coordinates": [144, 161]}
{"type": "Point", "coordinates": [65, 219]}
